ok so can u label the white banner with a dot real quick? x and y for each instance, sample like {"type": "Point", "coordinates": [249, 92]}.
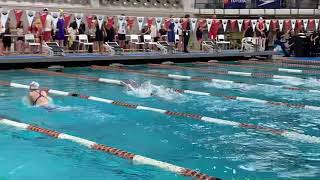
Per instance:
{"type": "Point", "coordinates": [225, 24]}
{"type": "Point", "coordinates": [140, 21]}
{"type": "Point", "coordinates": [209, 23]}
{"type": "Point", "coordinates": [254, 24]}
{"type": "Point", "coordinates": [4, 17]}
{"type": "Point", "coordinates": [240, 23]}
{"type": "Point", "coordinates": [293, 24]}
{"type": "Point", "coordinates": [158, 22]}
{"type": "Point", "coordinates": [193, 23]}
{"type": "Point", "coordinates": [55, 16]}
{"type": "Point", "coordinates": [30, 16]}
{"type": "Point", "coordinates": [176, 25]}
{"type": "Point", "coordinates": [268, 22]}
{"type": "Point", "coordinates": [100, 19]}
{"type": "Point", "coordinates": [78, 17]}
{"type": "Point", "coordinates": [281, 24]}
{"type": "Point", "coordinates": [316, 22]}
{"type": "Point", "coordinates": [305, 23]}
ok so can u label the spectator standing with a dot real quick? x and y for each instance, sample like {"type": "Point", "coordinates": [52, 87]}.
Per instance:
{"type": "Point", "coordinates": [98, 35]}
{"type": "Point", "coordinates": [186, 34]}
{"type": "Point", "coordinates": [60, 33]}
{"type": "Point", "coordinates": [109, 32]}
{"type": "Point", "coordinates": [48, 26]}
{"type": "Point", "coordinates": [2, 30]}
{"type": "Point", "coordinates": [171, 33]}
{"type": "Point", "coordinates": [199, 35]}
{"type": "Point", "coordinates": [122, 31]}
{"type": "Point", "coordinates": [20, 39]}
{"type": "Point", "coordinates": [7, 38]}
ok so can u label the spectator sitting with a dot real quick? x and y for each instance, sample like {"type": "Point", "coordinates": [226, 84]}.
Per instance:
{"type": "Point", "coordinates": [72, 31]}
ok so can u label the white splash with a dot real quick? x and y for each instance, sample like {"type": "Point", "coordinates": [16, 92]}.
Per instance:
{"type": "Point", "coordinates": [147, 89]}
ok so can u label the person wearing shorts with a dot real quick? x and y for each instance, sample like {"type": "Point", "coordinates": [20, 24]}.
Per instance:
{"type": "Point", "coordinates": [47, 34]}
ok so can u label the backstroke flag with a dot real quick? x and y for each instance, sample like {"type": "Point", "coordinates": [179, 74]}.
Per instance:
{"type": "Point", "coordinates": [4, 17]}
{"type": "Point", "coordinates": [193, 23]}
{"type": "Point", "coordinates": [268, 22]}
{"type": "Point", "coordinates": [30, 16]}
{"type": "Point", "coordinates": [78, 17]}
{"type": "Point", "coordinates": [140, 21]}
{"type": "Point", "coordinates": [240, 23]}
{"type": "Point", "coordinates": [158, 22]}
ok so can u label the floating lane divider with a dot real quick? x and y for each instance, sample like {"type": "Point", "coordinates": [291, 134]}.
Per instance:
{"type": "Point", "coordinates": [279, 64]}
{"type": "Point", "coordinates": [225, 72]}
{"type": "Point", "coordinates": [300, 61]}
{"type": "Point", "coordinates": [102, 80]}
{"type": "Point", "coordinates": [296, 71]}
{"type": "Point", "coordinates": [284, 133]}
{"type": "Point", "coordinates": [110, 150]}
{"type": "Point", "coordinates": [245, 99]}
{"type": "Point", "coordinates": [198, 78]}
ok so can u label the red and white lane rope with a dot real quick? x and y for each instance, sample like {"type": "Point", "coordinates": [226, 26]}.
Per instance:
{"type": "Point", "coordinates": [138, 159]}
{"type": "Point", "coordinates": [280, 64]}
{"type": "Point", "coordinates": [300, 61]}
{"type": "Point", "coordinates": [197, 78]}
{"type": "Point", "coordinates": [225, 72]}
{"type": "Point", "coordinates": [295, 71]}
{"type": "Point", "coordinates": [284, 133]}
{"type": "Point", "coordinates": [118, 82]}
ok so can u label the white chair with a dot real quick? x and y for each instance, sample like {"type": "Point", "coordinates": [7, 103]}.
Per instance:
{"type": "Point", "coordinates": [148, 40]}
{"type": "Point", "coordinates": [134, 39]}
{"type": "Point", "coordinates": [83, 39]}
{"type": "Point", "coordinates": [220, 40]}
{"type": "Point", "coordinates": [30, 40]}
{"type": "Point", "coordinates": [249, 44]}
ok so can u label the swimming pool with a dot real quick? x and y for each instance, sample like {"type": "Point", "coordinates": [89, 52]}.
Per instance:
{"type": "Point", "coordinates": [221, 150]}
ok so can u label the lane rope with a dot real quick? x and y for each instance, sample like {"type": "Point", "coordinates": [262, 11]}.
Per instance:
{"type": "Point", "coordinates": [239, 98]}
{"type": "Point", "coordinates": [299, 61]}
{"type": "Point", "coordinates": [225, 72]}
{"type": "Point", "coordinates": [284, 133]}
{"type": "Point", "coordinates": [295, 71]}
{"type": "Point", "coordinates": [137, 159]}
{"type": "Point", "coordinates": [199, 78]}
{"type": "Point", "coordinates": [279, 64]}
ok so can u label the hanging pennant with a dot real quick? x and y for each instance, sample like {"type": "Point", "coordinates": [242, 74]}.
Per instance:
{"type": "Point", "coordinates": [193, 23]}
{"type": "Point", "coordinates": [158, 22]}
{"type": "Point", "coordinates": [176, 24]}
{"type": "Point", "coordinates": [268, 22]}
{"type": "Point", "coordinates": [311, 26]}
{"type": "Point", "coordinates": [299, 24]}
{"type": "Point", "coordinates": [150, 21]}
{"type": "Point", "coordinates": [293, 24]}
{"type": "Point", "coordinates": [280, 24]}
{"type": "Point", "coordinates": [287, 25]}
{"type": "Point", "coordinates": [43, 17]}
{"type": "Point", "coordinates": [89, 21]}
{"type": "Point", "coordinates": [100, 19]}
{"type": "Point", "coordinates": [305, 24]}
{"type": "Point", "coordinates": [4, 17]}
{"type": "Point", "coordinates": [79, 17]}
{"type": "Point", "coordinates": [130, 22]}
{"type": "Point", "coordinates": [254, 24]}
{"type": "Point", "coordinates": [316, 22]}
{"type": "Point", "coordinates": [167, 22]}
{"type": "Point", "coordinates": [225, 24]}
{"type": "Point", "coordinates": [233, 24]}
{"type": "Point", "coordinates": [30, 16]}
{"type": "Point", "coordinates": [140, 21]}
{"type": "Point", "coordinates": [55, 16]}
{"type": "Point", "coordinates": [67, 19]}
{"type": "Point", "coordinates": [209, 23]}
{"type": "Point", "coordinates": [240, 23]}
{"type": "Point", "coordinates": [274, 24]}
{"type": "Point", "coordinates": [18, 14]}
{"type": "Point", "coordinates": [246, 23]}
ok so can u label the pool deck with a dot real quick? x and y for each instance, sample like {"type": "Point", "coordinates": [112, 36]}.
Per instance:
{"type": "Point", "coordinates": [69, 60]}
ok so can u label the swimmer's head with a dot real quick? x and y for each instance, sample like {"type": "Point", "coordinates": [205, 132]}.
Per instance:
{"type": "Point", "coordinates": [34, 85]}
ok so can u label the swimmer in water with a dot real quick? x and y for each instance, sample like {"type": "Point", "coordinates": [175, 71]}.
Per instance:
{"type": "Point", "coordinates": [130, 84]}
{"type": "Point", "coordinates": [37, 96]}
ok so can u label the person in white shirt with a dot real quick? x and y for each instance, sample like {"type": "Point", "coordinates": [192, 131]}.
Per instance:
{"type": "Point", "coordinates": [122, 31]}
{"type": "Point", "coordinates": [47, 34]}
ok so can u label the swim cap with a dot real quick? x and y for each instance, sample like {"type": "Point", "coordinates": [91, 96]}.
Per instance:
{"type": "Point", "coordinates": [34, 85]}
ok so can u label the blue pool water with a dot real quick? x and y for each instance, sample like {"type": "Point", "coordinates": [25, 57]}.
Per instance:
{"type": "Point", "coordinates": [221, 151]}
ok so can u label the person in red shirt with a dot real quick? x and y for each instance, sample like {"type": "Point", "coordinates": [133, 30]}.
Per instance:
{"type": "Point", "coordinates": [213, 31]}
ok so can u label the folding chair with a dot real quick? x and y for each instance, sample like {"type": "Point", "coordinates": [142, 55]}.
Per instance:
{"type": "Point", "coordinates": [165, 47]}
{"type": "Point", "coordinates": [222, 42]}
{"type": "Point", "coordinates": [83, 40]}
{"type": "Point", "coordinates": [134, 39]}
{"type": "Point", "coordinates": [30, 40]}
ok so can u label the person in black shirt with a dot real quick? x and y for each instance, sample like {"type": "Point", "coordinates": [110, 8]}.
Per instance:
{"type": "Point", "coordinates": [186, 34]}
{"type": "Point", "coordinates": [249, 32]}
{"type": "Point", "coordinates": [110, 33]}
{"type": "Point", "coordinates": [163, 33]}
